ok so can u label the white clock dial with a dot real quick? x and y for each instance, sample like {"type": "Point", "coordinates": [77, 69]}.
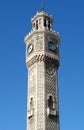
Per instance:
{"type": "Point", "coordinates": [30, 48]}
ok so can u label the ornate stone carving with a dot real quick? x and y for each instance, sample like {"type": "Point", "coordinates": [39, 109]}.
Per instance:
{"type": "Point", "coordinates": [44, 58]}
{"type": "Point", "coordinates": [39, 45]}
{"type": "Point", "coordinates": [39, 42]}
{"type": "Point", "coordinates": [39, 37]}
{"type": "Point", "coordinates": [32, 74]}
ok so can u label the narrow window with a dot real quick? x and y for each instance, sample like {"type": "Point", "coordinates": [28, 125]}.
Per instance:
{"type": "Point", "coordinates": [37, 24]}
{"type": "Point", "coordinates": [49, 25]}
{"type": "Point", "coordinates": [33, 25]}
{"type": "Point", "coordinates": [45, 22]}
{"type": "Point", "coordinates": [31, 110]}
{"type": "Point", "coordinates": [31, 102]}
{"type": "Point", "coordinates": [50, 102]}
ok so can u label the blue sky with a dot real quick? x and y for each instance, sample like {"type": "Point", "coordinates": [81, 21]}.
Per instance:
{"type": "Point", "coordinates": [15, 23]}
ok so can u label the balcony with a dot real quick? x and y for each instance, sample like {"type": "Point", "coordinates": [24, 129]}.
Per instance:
{"type": "Point", "coordinates": [51, 112]}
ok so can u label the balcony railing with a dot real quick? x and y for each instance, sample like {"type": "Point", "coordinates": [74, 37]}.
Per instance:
{"type": "Point", "coordinates": [51, 112]}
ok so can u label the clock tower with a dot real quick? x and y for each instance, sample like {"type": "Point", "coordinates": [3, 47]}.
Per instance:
{"type": "Point", "coordinates": [42, 61]}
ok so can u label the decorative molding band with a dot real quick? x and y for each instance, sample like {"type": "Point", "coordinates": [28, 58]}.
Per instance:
{"type": "Point", "coordinates": [43, 58]}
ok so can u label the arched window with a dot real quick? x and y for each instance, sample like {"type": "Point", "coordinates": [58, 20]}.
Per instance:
{"type": "Point", "coordinates": [51, 110]}
{"type": "Point", "coordinates": [37, 24]}
{"type": "Point", "coordinates": [45, 22]}
{"type": "Point", "coordinates": [49, 25]}
{"type": "Point", "coordinates": [50, 102]}
{"type": "Point", "coordinates": [33, 25]}
{"type": "Point", "coordinates": [31, 103]}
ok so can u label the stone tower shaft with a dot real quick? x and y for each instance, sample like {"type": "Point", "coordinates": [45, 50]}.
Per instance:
{"type": "Point", "coordinates": [42, 60]}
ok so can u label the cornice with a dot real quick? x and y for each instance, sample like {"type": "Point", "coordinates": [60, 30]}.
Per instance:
{"type": "Point", "coordinates": [52, 32]}
{"type": "Point", "coordinates": [42, 58]}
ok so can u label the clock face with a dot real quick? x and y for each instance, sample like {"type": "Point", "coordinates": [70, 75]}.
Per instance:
{"type": "Point", "coordinates": [51, 46]}
{"type": "Point", "coordinates": [30, 48]}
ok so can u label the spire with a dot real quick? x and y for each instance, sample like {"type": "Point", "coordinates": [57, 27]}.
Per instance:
{"type": "Point", "coordinates": [42, 8]}
{"type": "Point", "coordinates": [42, 5]}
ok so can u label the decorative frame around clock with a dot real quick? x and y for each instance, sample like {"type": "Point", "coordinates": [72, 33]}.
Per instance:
{"type": "Point", "coordinates": [30, 48]}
